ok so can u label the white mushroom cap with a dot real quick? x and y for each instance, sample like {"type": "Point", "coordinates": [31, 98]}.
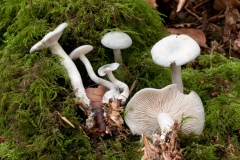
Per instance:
{"type": "Point", "coordinates": [80, 53]}
{"type": "Point", "coordinates": [107, 69]}
{"type": "Point", "coordinates": [175, 48]}
{"type": "Point", "coordinates": [116, 40]}
{"type": "Point", "coordinates": [75, 54]}
{"type": "Point", "coordinates": [49, 39]}
{"type": "Point", "coordinates": [144, 108]}
{"type": "Point", "coordinates": [102, 71]}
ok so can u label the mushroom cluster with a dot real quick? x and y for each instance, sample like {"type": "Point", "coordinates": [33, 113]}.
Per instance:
{"type": "Point", "coordinates": [115, 89]}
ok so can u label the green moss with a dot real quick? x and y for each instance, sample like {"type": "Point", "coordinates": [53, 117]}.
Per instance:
{"type": "Point", "coordinates": [34, 87]}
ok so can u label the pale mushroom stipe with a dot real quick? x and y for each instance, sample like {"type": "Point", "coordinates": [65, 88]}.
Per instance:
{"type": "Point", "coordinates": [117, 40]}
{"type": "Point", "coordinates": [107, 70]}
{"type": "Point", "coordinates": [174, 51]}
{"type": "Point", "coordinates": [152, 111]}
{"type": "Point", "coordinates": [51, 41]}
{"type": "Point", "coordinates": [80, 52]}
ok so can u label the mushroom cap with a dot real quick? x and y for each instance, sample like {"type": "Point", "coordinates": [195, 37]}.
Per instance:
{"type": "Point", "coordinates": [144, 107]}
{"type": "Point", "coordinates": [116, 40]}
{"type": "Point", "coordinates": [49, 39]}
{"type": "Point", "coordinates": [79, 51]}
{"type": "Point", "coordinates": [175, 48]}
{"type": "Point", "coordinates": [102, 71]}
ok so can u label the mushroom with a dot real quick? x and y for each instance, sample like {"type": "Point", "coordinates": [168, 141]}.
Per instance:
{"type": "Point", "coordinates": [152, 111]}
{"type": "Point", "coordinates": [80, 52]}
{"type": "Point", "coordinates": [50, 41]}
{"type": "Point", "coordinates": [117, 40]}
{"type": "Point", "coordinates": [107, 70]}
{"type": "Point", "coordinates": [174, 51]}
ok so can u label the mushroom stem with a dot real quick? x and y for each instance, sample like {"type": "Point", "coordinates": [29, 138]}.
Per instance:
{"type": "Point", "coordinates": [113, 92]}
{"type": "Point", "coordinates": [117, 55]}
{"type": "Point", "coordinates": [165, 122]}
{"type": "Point", "coordinates": [176, 76]}
{"type": "Point", "coordinates": [72, 71]}
{"type": "Point", "coordinates": [122, 86]}
{"type": "Point", "coordinates": [50, 41]}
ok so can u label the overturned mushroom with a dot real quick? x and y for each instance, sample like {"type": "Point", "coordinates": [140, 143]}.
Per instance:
{"type": "Point", "coordinates": [51, 41]}
{"type": "Point", "coordinates": [80, 52]}
{"type": "Point", "coordinates": [117, 40]}
{"type": "Point", "coordinates": [107, 69]}
{"type": "Point", "coordinates": [152, 111]}
{"type": "Point", "coordinates": [174, 51]}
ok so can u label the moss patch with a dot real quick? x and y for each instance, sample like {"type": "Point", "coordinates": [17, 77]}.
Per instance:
{"type": "Point", "coordinates": [33, 87]}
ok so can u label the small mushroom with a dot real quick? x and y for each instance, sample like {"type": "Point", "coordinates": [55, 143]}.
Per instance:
{"type": "Point", "coordinates": [80, 52]}
{"type": "Point", "coordinates": [117, 40]}
{"type": "Point", "coordinates": [152, 111]}
{"type": "Point", "coordinates": [107, 70]}
{"type": "Point", "coordinates": [50, 41]}
{"type": "Point", "coordinates": [174, 51]}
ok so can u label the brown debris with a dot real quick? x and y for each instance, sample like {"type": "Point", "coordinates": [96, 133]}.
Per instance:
{"type": "Point", "coordinates": [222, 4]}
{"type": "Point", "coordinates": [113, 117]}
{"type": "Point", "coordinates": [231, 36]}
{"type": "Point", "coordinates": [95, 95]}
{"type": "Point", "coordinates": [107, 117]}
{"type": "Point", "coordinates": [163, 149]}
{"type": "Point", "coordinates": [2, 139]}
{"type": "Point", "coordinates": [196, 34]}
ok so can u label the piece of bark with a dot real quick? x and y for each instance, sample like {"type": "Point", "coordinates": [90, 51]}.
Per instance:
{"type": "Point", "coordinates": [95, 95]}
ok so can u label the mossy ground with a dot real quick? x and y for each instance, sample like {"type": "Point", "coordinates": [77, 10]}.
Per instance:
{"type": "Point", "coordinates": [34, 86]}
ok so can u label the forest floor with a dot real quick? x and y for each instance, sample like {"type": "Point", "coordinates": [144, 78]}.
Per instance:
{"type": "Point", "coordinates": [214, 24]}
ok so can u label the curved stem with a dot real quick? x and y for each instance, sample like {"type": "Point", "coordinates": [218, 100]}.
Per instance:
{"type": "Point", "coordinates": [72, 71]}
{"type": "Point", "coordinates": [113, 92]}
{"type": "Point", "coordinates": [176, 76]}
{"type": "Point", "coordinates": [122, 86]}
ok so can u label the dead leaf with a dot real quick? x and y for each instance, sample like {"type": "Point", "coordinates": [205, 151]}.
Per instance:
{"type": "Point", "coordinates": [222, 4]}
{"type": "Point", "coordinates": [196, 34]}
